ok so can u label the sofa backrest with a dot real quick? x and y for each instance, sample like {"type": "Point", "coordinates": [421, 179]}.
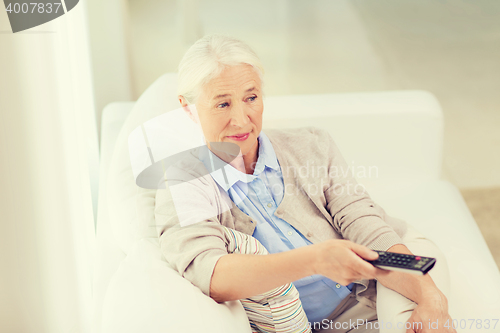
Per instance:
{"type": "Point", "coordinates": [384, 136]}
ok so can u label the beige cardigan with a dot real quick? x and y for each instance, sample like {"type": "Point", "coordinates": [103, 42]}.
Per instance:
{"type": "Point", "coordinates": [321, 201]}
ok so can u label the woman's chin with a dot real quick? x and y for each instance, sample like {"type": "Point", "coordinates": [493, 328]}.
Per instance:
{"type": "Point", "coordinates": [245, 147]}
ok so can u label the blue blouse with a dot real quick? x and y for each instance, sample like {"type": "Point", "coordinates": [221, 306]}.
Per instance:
{"type": "Point", "coordinates": [258, 196]}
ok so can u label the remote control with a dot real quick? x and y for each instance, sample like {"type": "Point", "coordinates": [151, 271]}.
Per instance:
{"type": "Point", "coordinates": [403, 262]}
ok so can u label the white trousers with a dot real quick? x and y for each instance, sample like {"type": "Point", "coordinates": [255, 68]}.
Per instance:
{"type": "Point", "coordinates": [393, 309]}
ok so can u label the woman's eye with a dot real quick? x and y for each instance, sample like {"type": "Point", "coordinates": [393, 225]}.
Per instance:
{"type": "Point", "coordinates": [222, 105]}
{"type": "Point", "coordinates": [252, 98]}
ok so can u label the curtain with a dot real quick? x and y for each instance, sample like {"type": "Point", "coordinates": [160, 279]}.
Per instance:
{"type": "Point", "coordinates": [49, 161]}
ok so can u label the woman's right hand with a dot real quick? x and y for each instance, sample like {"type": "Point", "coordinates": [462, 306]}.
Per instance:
{"type": "Point", "coordinates": [342, 261]}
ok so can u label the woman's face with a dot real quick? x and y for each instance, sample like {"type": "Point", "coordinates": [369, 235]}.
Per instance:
{"type": "Point", "coordinates": [230, 109]}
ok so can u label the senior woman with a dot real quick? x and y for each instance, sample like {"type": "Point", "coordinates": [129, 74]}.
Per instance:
{"type": "Point", "coordinates": [316, 239]}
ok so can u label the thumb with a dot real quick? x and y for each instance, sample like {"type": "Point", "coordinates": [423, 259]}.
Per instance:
{"type": "Point", "coordinates": [413, 328]}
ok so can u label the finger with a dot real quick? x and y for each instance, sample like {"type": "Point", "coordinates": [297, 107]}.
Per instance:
{"type": "Point", "coordinates": [363, 251]}
{"type": "Point", "coordinates": [362, 268]}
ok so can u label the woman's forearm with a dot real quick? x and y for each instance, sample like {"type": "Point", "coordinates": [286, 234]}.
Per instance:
{"type": "Point", "coordinates": [416, 288]}
{"type": "Point", "coordinates": [238, 276]}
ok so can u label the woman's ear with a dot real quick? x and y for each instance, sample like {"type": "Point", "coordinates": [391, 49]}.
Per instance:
{"type": "Point", "coordinates": [189, 109]}
{"type": "Point", "coordinates": [182, 100]}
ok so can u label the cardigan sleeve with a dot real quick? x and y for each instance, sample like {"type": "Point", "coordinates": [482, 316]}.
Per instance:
{"type": "Point", "coordinates": [355, 215]}
{"type": "Point", "coordinates": [190, 234]}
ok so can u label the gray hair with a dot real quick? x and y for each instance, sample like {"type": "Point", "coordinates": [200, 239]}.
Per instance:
{"type": "Point", "coordinates": [207, 58]}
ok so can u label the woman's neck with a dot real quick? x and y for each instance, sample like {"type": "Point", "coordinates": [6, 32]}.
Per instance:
{"type": "Point", "coordinates": [246, 163]}
{"type": "Point", "coordinates": [243, 162]}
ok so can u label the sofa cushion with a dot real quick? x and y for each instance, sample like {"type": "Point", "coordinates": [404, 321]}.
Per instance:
{"type": "Point", "coordinates": [130, 207]}
{"type": "Point", "coordinates": [145, 295]}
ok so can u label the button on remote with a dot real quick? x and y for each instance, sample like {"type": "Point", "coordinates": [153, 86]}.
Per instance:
{"type": "Point", "coordinates": [403, 262]}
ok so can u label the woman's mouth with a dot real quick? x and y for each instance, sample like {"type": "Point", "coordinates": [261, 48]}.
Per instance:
{"type": "Point", "coordinates": [239, 137]}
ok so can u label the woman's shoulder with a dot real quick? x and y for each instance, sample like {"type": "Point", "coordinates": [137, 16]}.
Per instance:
{"type": "Point", "coordinates": [303, 139]}
{"type": "Point", "coordinates": [296, 133]}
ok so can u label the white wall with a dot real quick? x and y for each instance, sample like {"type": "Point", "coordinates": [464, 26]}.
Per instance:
{"type": "Point", "coordinates": [450, 48]}
{"type": "Point", "coordinates": [108, 28]}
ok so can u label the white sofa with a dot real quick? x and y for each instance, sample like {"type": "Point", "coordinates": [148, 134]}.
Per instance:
{"type": "Point", "coordinates": [398, 134]}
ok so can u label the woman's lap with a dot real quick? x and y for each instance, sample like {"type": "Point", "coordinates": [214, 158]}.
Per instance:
{"type": "Point", "coordinates": [350, 316]}
{"type": "Point", "coordinates": [397, 309]}
{"type": "Point", "coordinates": [393, 309]}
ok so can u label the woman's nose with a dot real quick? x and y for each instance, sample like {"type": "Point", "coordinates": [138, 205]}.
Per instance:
{"type": "Point", "coordinates": [239, 117]}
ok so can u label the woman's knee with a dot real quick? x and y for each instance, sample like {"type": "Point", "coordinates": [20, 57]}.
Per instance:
{"type": "Point", "coordinates": [419, 244]}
